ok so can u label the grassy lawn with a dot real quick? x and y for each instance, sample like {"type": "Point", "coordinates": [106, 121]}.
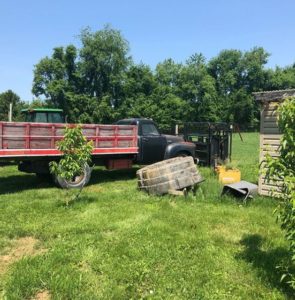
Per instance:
{"type": "Point", "coordinates": [119, 243]}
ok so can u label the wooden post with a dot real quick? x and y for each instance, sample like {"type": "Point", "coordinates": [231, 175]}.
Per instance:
{"type": "Point", "coordinates": [10, 113]}
{"type": "Point", "coordinates": [1, 135]}
{"type": "Point", "coordinates": [96, 135]}
{"type": "Point", "coordinates": [134, 136]}
{"type": "Point", "coordinates": [27, 136]}
{"type": "Point", "coordinates": [52, 142]}
{"type": "Point", "coordinates": [116, 136]}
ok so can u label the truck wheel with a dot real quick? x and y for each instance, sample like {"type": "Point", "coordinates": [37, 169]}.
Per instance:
{"type": "Point", "coordinates": [77, 182]}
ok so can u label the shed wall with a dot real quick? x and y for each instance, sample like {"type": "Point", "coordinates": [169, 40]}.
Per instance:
{"type": "Point", "coordinates": [269, 143]}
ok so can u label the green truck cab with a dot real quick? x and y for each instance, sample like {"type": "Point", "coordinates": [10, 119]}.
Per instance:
{"type": "Point", "coordinates": [43, 115]}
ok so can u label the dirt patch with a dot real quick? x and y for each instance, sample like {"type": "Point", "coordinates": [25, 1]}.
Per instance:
{"type": "Point", "coordinates": [43, 295]}
{"type": "Point", "coordinates": [26, 246]}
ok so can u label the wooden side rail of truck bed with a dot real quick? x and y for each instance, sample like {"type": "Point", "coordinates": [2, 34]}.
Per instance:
{"type": "Point", "coordinates": [23, 140]}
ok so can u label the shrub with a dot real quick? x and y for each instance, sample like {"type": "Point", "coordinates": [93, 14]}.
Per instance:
{"type": "Point", "coordinates": [283, 168]}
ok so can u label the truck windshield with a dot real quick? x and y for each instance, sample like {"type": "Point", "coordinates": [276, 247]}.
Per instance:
{"type": "Point", "coordinates": [55, 118]}
{"type": "Point", "coordinates": [28, 117]}
{"type": "Point", "coordinates": [41, 117]}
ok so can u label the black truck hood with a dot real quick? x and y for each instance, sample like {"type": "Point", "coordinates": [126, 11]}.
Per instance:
{"type": "Point", "coordinates": [173, 139]}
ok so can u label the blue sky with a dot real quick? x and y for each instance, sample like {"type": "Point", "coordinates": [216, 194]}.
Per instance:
{"type": "Point", "coordinates": [155, 30]}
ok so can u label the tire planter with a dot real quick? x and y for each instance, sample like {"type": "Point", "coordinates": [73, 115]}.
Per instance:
{"type": "Point", "coordinates": [171, 174]}
{"type": "Point", "coordinates": [77, 182]}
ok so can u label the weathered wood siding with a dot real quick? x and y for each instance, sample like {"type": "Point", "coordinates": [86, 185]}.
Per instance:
{"type": "Point", "coordinates": [22, 139]}
{"type": "Point", "coordinates": [269, 143]}
{"type": "Point", "coordinates": [269, 132]}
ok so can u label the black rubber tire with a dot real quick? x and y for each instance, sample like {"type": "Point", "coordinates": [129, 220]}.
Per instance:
{"type": "Point", "coordinates": [79, 181]}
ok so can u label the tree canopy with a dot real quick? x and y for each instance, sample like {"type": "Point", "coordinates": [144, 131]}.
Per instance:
{"type": "Point", "coordinates": [5, 99]}
{"type": "Point", "coordinates": [100, 83]}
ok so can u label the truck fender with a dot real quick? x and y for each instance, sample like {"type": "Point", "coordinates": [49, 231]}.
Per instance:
{"type": "Point", "coordinates": [175, 149]}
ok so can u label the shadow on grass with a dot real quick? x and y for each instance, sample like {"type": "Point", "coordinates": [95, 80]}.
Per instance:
{"type": "Point", "coordinates": [18, 183]}
{"type": "Point", "coordinates": [21, 182]}
{"type": "Point", "coordinates": [266, 262]}
{"type": "Point", "coordinates": [102, 175]}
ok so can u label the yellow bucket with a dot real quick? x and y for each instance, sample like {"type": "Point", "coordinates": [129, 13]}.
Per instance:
{"type": "Point", "coordinates": [228, 176]}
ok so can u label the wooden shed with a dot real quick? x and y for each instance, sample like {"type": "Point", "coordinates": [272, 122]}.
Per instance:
{"type": "Point", "coordinates": [269, 132]}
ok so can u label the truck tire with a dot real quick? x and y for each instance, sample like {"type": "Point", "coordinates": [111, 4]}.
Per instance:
{"type": "Point", "coordinates": [171, 174]}
{"type": "Point", "coordinates": [78, 182]}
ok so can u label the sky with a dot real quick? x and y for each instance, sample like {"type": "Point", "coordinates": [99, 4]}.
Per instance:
{"type": "Point", "coordinates": [155, 30]}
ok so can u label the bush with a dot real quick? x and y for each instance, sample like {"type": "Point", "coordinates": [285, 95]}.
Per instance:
{"type": "Point", "coordinates": [283, 169]}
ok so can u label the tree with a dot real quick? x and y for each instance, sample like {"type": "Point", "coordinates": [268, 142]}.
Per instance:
{"type": "Point", "coordinates": [100, 83]}
{"type": "Point", "coordinates": [56, 76]}
{"type": "Point", "coordinates": [281, 78]}
{"type": "Point", "coordinates": [103, 61]}
{"type": "Point", "coordinates": [282, 169]}
{"type": "Point", "coordinates": [237, 74]}
{"type": "Point", "coordinates": [167, 109]}
{"type": "Point", "coordinates": [5, 99]}
{"type": "Point", "coordinates": [80, 81]}
{"type": "Point", "coordinates": [139, 85]}
{"type": "Point", "coordinates": [139, 79]}
{"type": "Point", "coordinates": [76, 152]}
{"type": "Point", "coordinates": [197, 88]}
{"type": "Point", "coordinates": [167, 74]}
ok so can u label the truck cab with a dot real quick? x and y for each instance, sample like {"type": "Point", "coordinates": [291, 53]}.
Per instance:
{"type": "Point", "coordinates": [43, 115]}
{"type": "Point", "coordinates": [154, 146]}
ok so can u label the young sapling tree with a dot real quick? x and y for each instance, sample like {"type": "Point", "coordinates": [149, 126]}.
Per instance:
{"type": "Point", "coordinates": [76, 154]}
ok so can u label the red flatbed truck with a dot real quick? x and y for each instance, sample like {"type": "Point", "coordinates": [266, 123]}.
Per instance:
{"type": "Point", "coordinates": [33, 145]}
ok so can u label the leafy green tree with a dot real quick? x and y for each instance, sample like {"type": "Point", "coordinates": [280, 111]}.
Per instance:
{"type": "Point", "coordinates": [76, 154]}
{"type": "Point", "coordinates": [254, 73]}
{"type": "Point", "coordinates": [139, 79]}
{"type": "Point", "coordinates": [281, 78]}
{"type": "Point", "coordinates": [167, 74]}
{"type": "Point", "coordinates": [227, 70]}
{"type": "Point", "coordinates": [139, 85]}
{"type": "Point", "coordinates": [167, 109]}
{"type": "Point", "coordinates": [5, 99]}
{"type": "Point", "coordinates": [237, 74]}
{"type": "Point", "coordinates": [197, 88]}
{"type": "Point", "coordinates": [103, 61]}
{"type": "Point", "coordinates": [81, 81]}
{"type": "Point", "coordinates": [190, 77]}
{"type": "Point", "coordinates": [99, 83]}
{"type": "Point", "coordinates": [282, 169]}
{"type": "Point", "coordinates": [37, 103]}
{"type": "Point", "coordinates": [56, 76]}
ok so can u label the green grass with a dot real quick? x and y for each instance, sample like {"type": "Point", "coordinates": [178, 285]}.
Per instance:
{"type": "Point", "coordinates": [116, 242]}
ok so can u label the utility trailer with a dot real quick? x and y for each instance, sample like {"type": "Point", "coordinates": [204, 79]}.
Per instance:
{"type": "Point", "coordinates": [213, 141]}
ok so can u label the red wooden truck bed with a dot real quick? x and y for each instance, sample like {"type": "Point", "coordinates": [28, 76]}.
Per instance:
{"type": "Point", "coordinates": [24, 140]}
